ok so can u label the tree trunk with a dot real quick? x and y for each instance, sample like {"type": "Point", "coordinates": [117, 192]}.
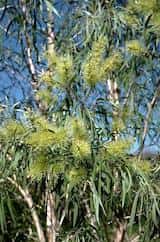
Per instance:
{"type": "Point", "coordinates": [120, 232]}
{"type": "Point", "coordinates": [51, 218]}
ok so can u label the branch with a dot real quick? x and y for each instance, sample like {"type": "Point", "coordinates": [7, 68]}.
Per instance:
{"type": "Point", "coordinates": [28, 199]}
{"type": "Point", "coordinates": [30, 64]}
{"type": "Point", "coordinates": [147, 118]}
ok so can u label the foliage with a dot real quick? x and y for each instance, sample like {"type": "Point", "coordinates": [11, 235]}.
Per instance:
{"type": "Point", "coordinates": [95, 93]}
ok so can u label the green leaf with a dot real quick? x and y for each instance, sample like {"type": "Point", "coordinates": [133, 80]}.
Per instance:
{"type": "Point", "coordinates": [52, 8]}
{"type": "Point", "coordinates": [10, 208]}
{"type": "Point", "coordinates": [154, 215]}
{"type": "Point", "coordinates": [134, 209]}
{"type": "Point", "coordinates": [75, 214]}
{"type": "Point", "coordinates": [96, 201]}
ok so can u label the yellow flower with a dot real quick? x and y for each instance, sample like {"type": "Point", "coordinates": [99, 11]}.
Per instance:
{"type": "Point", "coordinates": [113, 62]}
{"type": "Point", "coordinates": [39, 166]}
{"type": "Point", "coordinates": [144, 6]}
{"type": "Point", "coordinates": [135, 47]}
{"type": "Point", "coordinates": [92, 71]}
{"type": "Point", "coordinates": [44, 95]}
{"type": "Point", "coordinates": [76, 175]}
{"type": "Point", "coordinates": [41, 138]}
{"type": "Point", "coordinates": [58, 168]}
{"type": "Point", "coordinates": [47, 77]}
{"type": "Point", "coordinates": [12, 129]}
{"type": "Point", "coordinates": [129, 19]}
{"type": "Point", "coordinates": [40, 122]}
{"type": "Point", "coordinates": [141, 165]}
{"type": "Point", "coordinates": [115, 149]}
{"type": "Point", "coordinates": [80, 149]}
{"type": "Point", "coordinates": [76, 128]}
{"type": "Point", "coordinates": [64, 70]}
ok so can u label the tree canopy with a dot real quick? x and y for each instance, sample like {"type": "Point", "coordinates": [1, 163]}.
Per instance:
{"type": "Point", "coordinates": [79, 108]}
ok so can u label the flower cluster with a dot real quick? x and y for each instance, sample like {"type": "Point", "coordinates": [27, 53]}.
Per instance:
{"type": "Point", "coordinates": [115, 149]}
{"type": "Point", "coordinates": [80, 147]}
{"type": "Point", "coordinates": [64, 70]}
{"type": "Point", "coordinates": [47, 77]}
{"type": "Point", "coordinates": [12, 129]}
{"type": "Point", "coordinates": [141, 165]}
{"type": "Point", "coordinates": [112, 63]}
{"type": "Point", "coordinates": [76, 175]}
{"type": "Point", "coordinates": [92, 70]}
{"type": "Point", "coordinates": [96, 67]}
{"type": "Point", "coordinates": [45, 95]}
{"type": "Point", "coordinates": [135, 47]}
{"type": "Point", "coordinates": [129, 19]}
{"type": "Point", "coordinates": [143, 6]}
{"type": "Point", "coordinates": [39, 166]}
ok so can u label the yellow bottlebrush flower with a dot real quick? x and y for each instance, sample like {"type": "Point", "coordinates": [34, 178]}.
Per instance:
{"type": "Point", "coordinates": [113, 62]}
{"type": "Point", "coordinates": [46, 137]}
{"type": "Point", "coordinates": [80, 149]}
{"type": "Point", "coordinates": [135, 47]}
{"type": "Point", "coordinates": [47, 77]}
{"type": "Point", "coordinates": [51, 57]}
{"type": "Point", "coordinates": [129, 19]}
{"type": "Point", "coordinates": [45, 95]}
{"type": "Point", "coordinates": [92, 71]}
{"type": "Point", "coordinates": [58, 168]}
{"type": "Point", "coordinates": [144, 6]}
{"type": "Point", "coordinates": [41, 138]}
{"type": "Point", "coordinates": [76, 128]}
{"type": "Point", "coordinates": [64, 70]}
{"type": "Point", "coordinates": [76, 175]}
{"type": "Point", "coordinates": [12, 129]}
{"type": "Point", "coordinates": [98, 47]}
{"type": "Point", "coordinates": [60, 136]}
{"type": "Point", "coordinates": [155, 20]}
{"type": "Point", "coordinates": [38, 167]}
{"type": "Point", "coordinates": [141, 165]}
{"type": "Point", "coordinates": [117, 148]}
{"type": "Point", "coordinates": [40, 122]}
{"type": "Point", "coordinates": [118, 125]}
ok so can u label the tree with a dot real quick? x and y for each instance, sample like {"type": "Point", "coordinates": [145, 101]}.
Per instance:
{"type": "Point", "coordinates": [70, 157]}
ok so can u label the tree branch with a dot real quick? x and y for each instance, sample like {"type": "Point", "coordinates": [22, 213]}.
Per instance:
{"type": "Point", "coordinates": [147, 118]}
{"type": "Point", "coordinates": [28, 199]}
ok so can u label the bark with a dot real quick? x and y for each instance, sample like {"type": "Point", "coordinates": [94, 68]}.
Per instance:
{"type": "Point", "coordinates": [51, 222]}
{"type": "Point", "coordinates": [120, 232]}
